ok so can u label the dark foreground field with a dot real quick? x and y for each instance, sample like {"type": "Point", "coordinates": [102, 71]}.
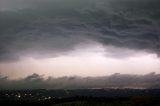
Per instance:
{"type": "Point", "coordinates": [85, 97]}
{"type": "Point", "coordinates": [89, 101]}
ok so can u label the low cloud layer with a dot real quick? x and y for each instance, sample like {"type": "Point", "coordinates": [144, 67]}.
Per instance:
{"type": "Point", "coordinates": [117, 80]}
{"type": "Point", "coordinates": [54, 27]}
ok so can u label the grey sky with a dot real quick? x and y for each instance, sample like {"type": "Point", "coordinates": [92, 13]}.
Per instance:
{"type": "Point", "coordinates": [41, 29]}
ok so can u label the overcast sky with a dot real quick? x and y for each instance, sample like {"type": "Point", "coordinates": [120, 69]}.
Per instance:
{"type": "Point", "coordinates": [79, 37]}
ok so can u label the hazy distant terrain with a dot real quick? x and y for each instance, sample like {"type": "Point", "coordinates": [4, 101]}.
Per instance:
{"type": "Point", "coordinates": [36, 81]}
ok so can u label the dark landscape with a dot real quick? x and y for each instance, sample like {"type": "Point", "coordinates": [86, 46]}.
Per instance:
{"type": "Point", "coordinates": [81, 97]}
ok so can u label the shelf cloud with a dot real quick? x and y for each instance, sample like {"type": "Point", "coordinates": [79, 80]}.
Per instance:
{"type": "Point", "coordinates": [54, 27]}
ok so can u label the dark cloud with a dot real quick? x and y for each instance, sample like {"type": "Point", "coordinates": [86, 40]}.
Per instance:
{"type": "Point", "coordinates": [36, 81]}
{"type": "Point", "coordinates": [54, 27]}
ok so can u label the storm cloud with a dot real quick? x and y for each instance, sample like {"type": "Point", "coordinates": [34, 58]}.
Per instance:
{"type": "Point", "coordinates": [54, 27]}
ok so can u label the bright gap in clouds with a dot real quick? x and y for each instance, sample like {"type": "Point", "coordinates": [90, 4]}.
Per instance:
{"type": "Point", "coordinates": [89, 61]}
